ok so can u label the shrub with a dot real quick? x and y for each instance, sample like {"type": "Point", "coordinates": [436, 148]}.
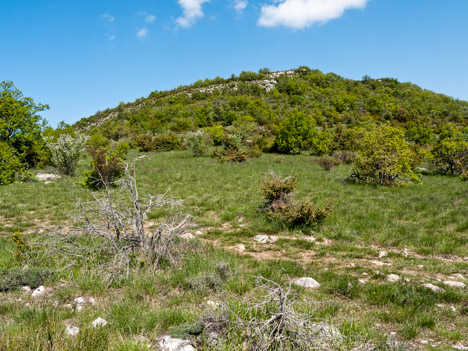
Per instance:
{"type": "Point", "coordinates": [326, 163]}
{"type": "Point", "coordinates": [383, 157]}
{"type": "Point", "coordinates": [9, 164]}
{"type": "Point", "coordinates": [278, 204]}
{"type": "Point", "coordinates": [451, 153]}
{"type": "Point", "coordinates": [198, 143]}
{"type": "Point", "coordinates": [11, 279]}
{"type": "Point", "coordinates": [216, 133]}
{"type": "Point", "coordinates": [66, 152]}
{"type": "Point", "coordinates": [345, 157]}
{"type": "Point", "coordinates": [231, 151]}
{"type": "Point", "coordinates": [160, 142]}
{"type": "Point", "coordinates": [107, 165]}
{"type": "Point", "coordinates": [295, 133]}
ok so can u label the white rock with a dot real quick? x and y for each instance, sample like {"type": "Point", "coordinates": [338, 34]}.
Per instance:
{"type": "Point", "coordinates": [307, 282]}
{"type": "Point", "coordinates": [460, 347]}
{"type": "Point", "coordinates": [26, 289]}
{"type": "Point", "coordinates": [433, 287]}
{"type": "Point", "coordinates": [458, 276]}
{"type": "Point", "coordinates": [454, 284]}
{"type": "Point", "coordinates": [187, 236]}
{"type": "Point", "coordinates": [198, 232]}
{"type": "Point", "coordinates": [265, 239]}
{"type": "Point", "coordinates": [420, 266]}
{"type": "Point", "coordinates": [325, 330]}
{"type": "Point", "coordinates": [241, 247]}
{"type": "Point", "coordinates": [378, 263]}
{"type": "Point", "coordinates": [40, 291]}
{"type": "Point", "coordinates": [212, 304]}
{"type": "Point", "coordinates": [79, 308]}
{"type": "Point", "coordinates": [79, 301]}
{"type": "Point", "coordinates": [393, 278]}
{"type": "Point", "coordinates": [72, 331]}
{"type": "Point", "coordinates": [362, 281]}
{"type": "Point", "coordinates": [383, 254]}
{"type": "Point", "coordinates": [92, 301]}
{"type": "Point", "coordinates": [99, 322]}
{"type": "Point", "coordinates": [68, 305]}
{"type": "Point", "coordinates": [171, 344]}
{"type": "Point", "coordinates": [46, 176]}
{"type": "Point", "coordinates": [424, 342]}
{"type": "Point", "coordinates": [453, 308]}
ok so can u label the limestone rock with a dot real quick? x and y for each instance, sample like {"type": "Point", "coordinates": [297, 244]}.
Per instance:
{"type": "Point", "coordinates": [171, 344]}
{"type": "Point", "coordinates": [392, 278]}
{"type": "Point", "coordinates": [72, 331]}
{"type": "Point", "coordinates": [99, 322]}
{"type": "Point", "coordinates": [40, 291]}
{"type": "Point", "coordinates": [307, 282]}
{"type": "Point", "coordinates": [454, 284]}
{"type": "Point", "coordinates": [383, 254]}
{"type": "Point", "coordinates": [265, 239]}
{"type": "Point", "coordinates": [433, 287]}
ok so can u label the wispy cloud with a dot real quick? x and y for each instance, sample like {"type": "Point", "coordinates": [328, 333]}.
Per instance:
{"type": "Point", "coordinates": [109, 36]}
{"type": "Point", "coordinates": [109, 18]}
{"type": "Point", "coordinates": [142, 33]}
{"type": "Point", "coordinates": [192, 10]}
{"type": "Point", "coordinates": [240, 5]}
{"type": "Point", "coordinates": [298, 14]}
{"type": "Point", "coordinates": [150, 18]}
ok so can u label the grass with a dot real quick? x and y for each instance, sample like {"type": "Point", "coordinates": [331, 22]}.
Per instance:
{"type": "Point", "coordinates": [422, 227]}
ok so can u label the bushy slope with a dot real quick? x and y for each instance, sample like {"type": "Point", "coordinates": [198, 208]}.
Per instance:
{"type": "Point", "coordinates": [268, 97]}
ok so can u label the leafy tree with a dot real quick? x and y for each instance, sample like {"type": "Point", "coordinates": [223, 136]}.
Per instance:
{"type": "Point", "coordinates": [20, 131]}
{"type": "Point", "coordinates": [384, 157]}
{"type": "Point", "coordinates": [66, 152]}
{"type": "Point", "coordinates": [9, 163]}
{"type": "Point", "coordinates": [451, 152]}
{"type": "Point", "coordinates": [296, 132]}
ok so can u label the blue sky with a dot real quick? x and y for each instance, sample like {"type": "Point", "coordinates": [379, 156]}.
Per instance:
{"type": "Point", "coordinates": [81, 56]}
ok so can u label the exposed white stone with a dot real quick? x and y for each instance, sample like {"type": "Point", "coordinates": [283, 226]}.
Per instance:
{"type": "Point", "coordinates": [171, 344]}
{"type": "Point", "coordinates": [460, 347]}
{"type": "Point", "coordinates": [26, 289]}
{"type": "Point", "coordinates": [72, 331]}
{"type": "Point", "coordinates": [241, 247]}
{"type": "Point", "coordinates": [362, 281]}
{"type": "Point", "coordinates": [393, 278]}
{"type": "Point", "coordinates": [212, 304]}
{"type": "Point", "coordinates": [99, 322]}
{"type": "Point", "coordinates": [40, 291]}
{"type": "Point", "coordinates": [68, 305]}
{"type": "Point", "coordinates": [424, 342]}
{"type": "Point", "coordinates": [91, 300]}
{"type": "Point", "coordinates": [326, 331]}
{"type": "Point", "coordinates": [79, 308]}
{"type": "Point", "coordinates": [454, 284]}
{"type": "Point", "coordinates": [458, 276]}
{"type": "Point", "coordinates": [383, 254]}
{"type": "Point", "coordinates": [79, 301]}
{"type": "Point", "coordinates": [187, 236]}
{"type": "Point", "coordinates": [265, 239]}
{"type": "Point", "coordinates": [47, 176]}
{"type": "Point", "coordinates": [433, 287]}
{"type": "Point", "coordinates": [307, 282]}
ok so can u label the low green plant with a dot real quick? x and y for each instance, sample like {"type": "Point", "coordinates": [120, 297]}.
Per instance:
{"type": "Point", "coordinates": [384, 158]}
{"type": "Point", "coordinates": [11, 279]}
{"type": "Point", "coordinates": [198, 143]}
{"type": "Point", "coordinates": [231, 151]}
{"type": "Point", "coordinates": [451, 154]}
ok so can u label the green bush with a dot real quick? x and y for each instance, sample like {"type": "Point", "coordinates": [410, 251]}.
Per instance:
{"type": "Point", "coordinates": [345, 157]}
{"type": "Point", "coordinates": [107, 165]}
{"type": "Point", "coordinates": [9, 164]}
{"type": "Point", "coordinates": [384, 157]}
{"type": "Point", "coordinates": [327, 163]}
{"type": "Point", "coordinates": [296, 132]}
{"type": "Point", "coordinates": [277, 192]}
{"type": "Point", "coordinates": [231, 151]}
{"type": "Point", "coordinates": [304, 214]}
{"type": "Point", "coordinates": [159, 142]}
{"type": "Point", "coordinates": [11, 279]}
{"type": "Point", "coordinates": [451, 153]}
{"type": "Point", "coordinates": [198, 143]}
{"type": "Point", "coordinates": [66, 152]}
{"type": "Point", "coordinates": [216, 133]}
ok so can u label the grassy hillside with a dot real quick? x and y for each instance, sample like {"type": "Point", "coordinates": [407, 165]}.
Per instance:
{"type": "Point", "coordinates": [419, 233]}
{"type": "Point", "coordinates": [267, 98]}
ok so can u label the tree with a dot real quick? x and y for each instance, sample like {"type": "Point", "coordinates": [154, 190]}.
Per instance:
{"type": "Point", "coordinates": [296, 133]}
{"type": "Point", "coordinates": [451, 152]}
{"type": "Point", "coordinates": [20, 127]}
{"type": "Point", "coordinates": [384, 157]}
{"type": "Point", "coordinates": [66, 152]}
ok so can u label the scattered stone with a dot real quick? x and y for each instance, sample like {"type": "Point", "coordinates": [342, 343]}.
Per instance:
{"type": "Point", "coordinates": [352, 265]}
{"type": "Point", "coordinates": [79, 301]}
{"type": "Point", "coordinates": [309, 238]}
{"type": "Point", "coordinates": [307, 282]}
{"type": "Point", "coordinates": [434, 288]}
{"type": "Point", "coordinates": [392, 278]}
{"type": "Point", "coordinates": [326, 331]}
{"type": "Point", "coordinates": [212, 339]}
{"type": "Point", "coordinates": [363, 281]}
{"type": "Point", "coordinates": [72, 331]}
{"type": "Point", "coordinates": [383, 254]}
{"type": "Point", "coordinates": [424, 342]}
{"type": "Point", "coordinates": [458, 276]}
{"type": "Point", "coordinates": [26, 289]}
{"type": "Point", "coordinates": [265, 239]}
{"type": "Point", "coordinates": [454, 284]}
{"type": "Point", "coordinates": [92, 301]}
{"type": "Point", "coordinates": [79, 308]}
{"type": "Point", "coordinates": [420, 266]}
{"type": "Point", "coordinates": [40, 291]}
{"type": "Point", "coordinates": [212, 304]}
{"type": "Point", "coordinates": [55, 304]}
{"type": "Point", "coordinates": [241, 247]}
{"type": "Point", "coordinates": [405, 252]}
{"type": "Point", "coordinates": [68, 305]}
{"type": "Point", "coordinates": [460, 347]}
{"type": "Point", "coordinates": [99, 322]}
{"type": "Point", "coordinates": [378, 263]}
{"type": "Point", "coordinates": [47, 176]}
{"type": "Point", "coordinates": [453, 308]}
{"type": "Point", "coordinates": [187, 236]}
{"type": "Point", "coordinates": [198, 232]}
{"type": "Point", "coordinates": [171, 344]}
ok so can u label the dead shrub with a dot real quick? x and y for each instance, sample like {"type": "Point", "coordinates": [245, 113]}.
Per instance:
{"type": "Point", "coordinates": [111, 233]}
{"type": "Point", "coordinates": [326, 163]}
{"type": "Point", "coordinates": [345, 157]}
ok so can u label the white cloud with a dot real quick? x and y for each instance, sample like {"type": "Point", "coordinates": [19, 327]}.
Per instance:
{"type": "Point", "coordinates": [298, 14]}
{"type": "Point", "coordinates": [108, 18]}
{"type": "Point", "coordinates": [110, 37]}
{"type": "Point", "coordinates": [192, 10]}
{"type": "Point", "coordinates": [142, 33]}
{"type": "Point", "coordinates": [240, 5]}
{"type": "Point", "coordinates": [150, 18]}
